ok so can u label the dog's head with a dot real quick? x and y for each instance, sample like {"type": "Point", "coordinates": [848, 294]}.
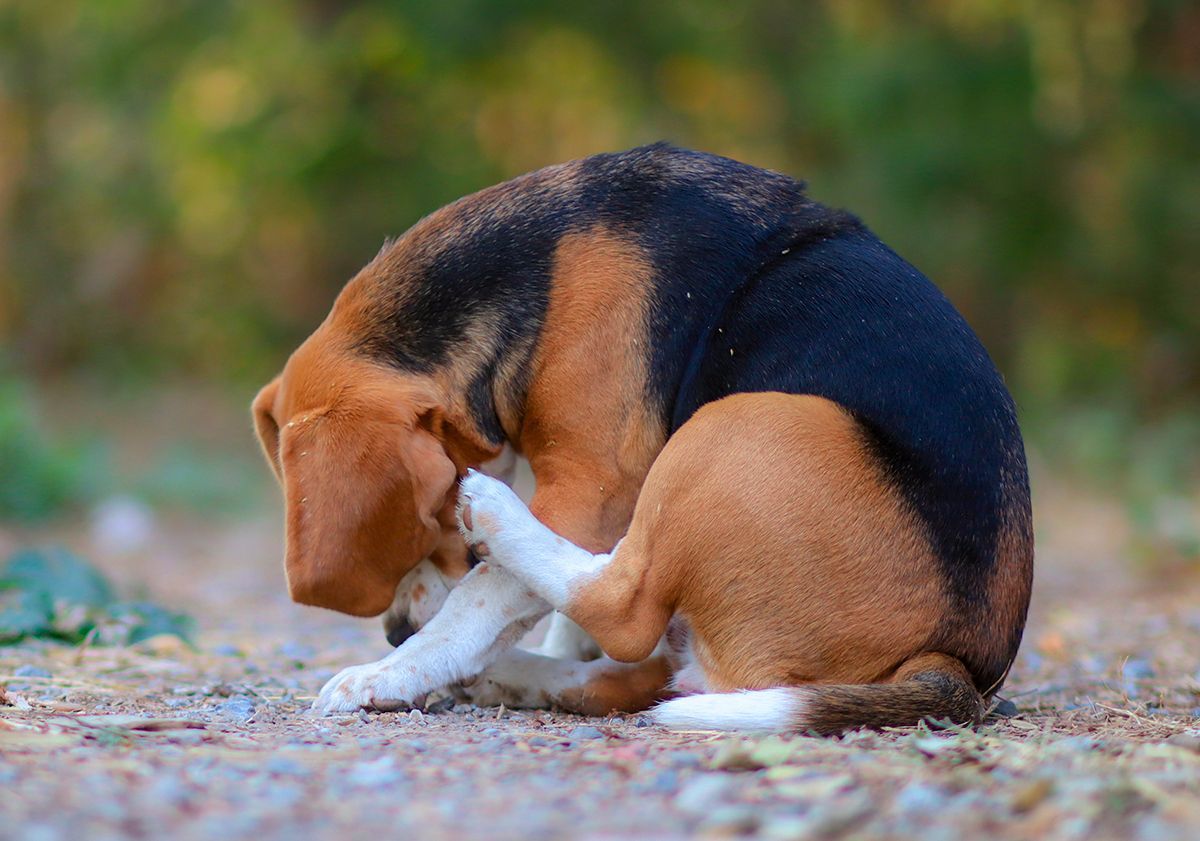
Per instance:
{"type": "Point", "coordinates": [368, 461]}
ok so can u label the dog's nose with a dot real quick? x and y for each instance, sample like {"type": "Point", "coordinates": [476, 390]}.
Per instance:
{"type": "Point", "coordinates": [399, 632]}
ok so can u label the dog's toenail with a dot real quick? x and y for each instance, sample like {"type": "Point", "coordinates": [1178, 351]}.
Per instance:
{"type": "Point", "coordinates": [466, 517]}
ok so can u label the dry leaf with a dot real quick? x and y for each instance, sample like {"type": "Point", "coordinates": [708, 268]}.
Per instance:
{"type": "Point", "coordinates": [134, 722]}
{"type": "Point", "coordinates": [1031, 794]}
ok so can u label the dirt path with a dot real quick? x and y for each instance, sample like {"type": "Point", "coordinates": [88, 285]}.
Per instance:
{"type": "Point", "coordinates": [1105, 743]}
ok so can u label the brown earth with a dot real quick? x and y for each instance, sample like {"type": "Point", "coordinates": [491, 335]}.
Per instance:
{"type": "Point", "coordinates": [1104, 743]}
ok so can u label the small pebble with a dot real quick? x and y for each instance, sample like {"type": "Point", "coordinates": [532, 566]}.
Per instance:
{"type": "Point", "coordinates": [31, 671]}
{"type": "Point", "coordinates": [169, 790]}
{"type": "Point", "coordinates": [700, 794]}
{"type": "Point", "coordinates": [227, 650]}
{"type": "Point", "coordinates": [284, 796]}
{"type": "Point", "coordinates": [730, 820]}
{"type": "Point", "coordinates": [1005, 709]}
{"type": "Point", "coordinates": [666, 782]}
{"type": "Point", "coordinates": [376, 773]}
{"type": "Point", "coordinates": [239, 708]}
{"type": "Point", "coordinates": [918, 797]}
{"type": "Point", "coordinates": [786, 828]}
{"type": "Point", "coordinates": [285, 766]}
{"type": "Point", "coordinates": [585, 733]}
{"type": "Point", "coordinates": [297, 650]}
{"type": "Point", "coordinates": [1137, 669]}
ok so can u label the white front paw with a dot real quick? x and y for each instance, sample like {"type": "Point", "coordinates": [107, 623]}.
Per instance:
{"type": "Point", "coordinates": [373, 687]}
{"type": "Point", "coordinates": [485, 507]}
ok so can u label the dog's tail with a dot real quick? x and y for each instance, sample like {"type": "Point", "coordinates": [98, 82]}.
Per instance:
{"type": "Point", "coordinates": [930, 686]}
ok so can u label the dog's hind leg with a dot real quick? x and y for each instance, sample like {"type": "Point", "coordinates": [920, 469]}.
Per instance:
{"type": "Point", "coordinates": [526, 680]}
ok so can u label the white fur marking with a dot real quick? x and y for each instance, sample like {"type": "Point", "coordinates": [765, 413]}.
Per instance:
{"type": "Point", "coordinates": [565, 640]}
{"type": "Point", "coordinates": [460, 641]}
{"type": "Point", "coordinates": [553, 566]}
{"type": "Point", "coordinates": [689, 677]}
{"type": "Point", "coordinates": [418, 611]}
{"type": "Point", "coordinates": [755, 710]}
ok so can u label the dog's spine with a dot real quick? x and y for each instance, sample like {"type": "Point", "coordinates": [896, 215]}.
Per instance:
{"type": "Point", "coordinates": [934, 695]}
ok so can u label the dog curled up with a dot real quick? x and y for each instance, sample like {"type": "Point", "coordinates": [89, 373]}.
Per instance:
{"type": "Point", "coordinates": [779, 483]}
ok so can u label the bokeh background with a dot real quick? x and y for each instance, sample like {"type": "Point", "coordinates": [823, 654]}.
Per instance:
{"type": "Point", "coordinates": [185, 186]}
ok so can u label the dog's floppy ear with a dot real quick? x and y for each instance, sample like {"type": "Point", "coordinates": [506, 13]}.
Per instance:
{"type": "Point", "coordinates": [362, 494]}
{"type": "Point", "coordinates": [263, 409]}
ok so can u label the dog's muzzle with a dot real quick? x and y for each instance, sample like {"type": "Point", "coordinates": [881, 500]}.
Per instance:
{"type": "Point", "coordinates": [399, 632]}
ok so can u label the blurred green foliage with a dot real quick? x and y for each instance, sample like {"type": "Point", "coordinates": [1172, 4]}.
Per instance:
{"type": "Point", "coordinates": [54, 594]}
{"type": "Point", "coordinates": [40, 476]}
{"type": "Point", "coordinates": [46, 474]}
{"type": "Point", "coordinates": [184, 186]}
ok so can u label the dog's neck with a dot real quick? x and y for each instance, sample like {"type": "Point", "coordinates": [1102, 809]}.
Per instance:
{"type": "Point", "coordinates": [458, 299]}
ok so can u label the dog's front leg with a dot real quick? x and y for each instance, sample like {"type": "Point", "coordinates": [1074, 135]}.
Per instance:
{"type": "Point", "coordinates": [485, 615]}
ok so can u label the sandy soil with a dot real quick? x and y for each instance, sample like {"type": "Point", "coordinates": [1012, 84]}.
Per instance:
{"type": "Point", "coordinates": [163, 741]}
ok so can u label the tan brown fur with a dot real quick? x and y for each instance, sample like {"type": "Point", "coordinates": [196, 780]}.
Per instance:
{"type": "Point", "coordinates": [450, 418]}
{"type": "Point", "coordinates": [791, 558]}
{"type": "Point", "coordinates": [587, 432]}
{"type": "Point", "coordinates": [367, 473]}
{"type": "Point", "coordinates": [618, 688]}
{"type": "Point", "coordinates": [584, 425]}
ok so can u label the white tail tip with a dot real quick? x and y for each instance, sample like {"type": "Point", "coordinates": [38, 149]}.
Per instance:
{"type": "Point", "coordinates": [756, 710]}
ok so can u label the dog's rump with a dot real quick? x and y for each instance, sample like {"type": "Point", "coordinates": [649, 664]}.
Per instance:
{"type": "Point", "coordinates": [847, 319]}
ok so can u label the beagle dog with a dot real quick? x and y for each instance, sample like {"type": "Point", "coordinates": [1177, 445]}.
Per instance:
{"type": "Point", "coordinates": [778, 480]}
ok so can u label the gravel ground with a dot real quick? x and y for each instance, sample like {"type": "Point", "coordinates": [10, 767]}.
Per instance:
{"type": "Point", "coordinates": [1100, 738]}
